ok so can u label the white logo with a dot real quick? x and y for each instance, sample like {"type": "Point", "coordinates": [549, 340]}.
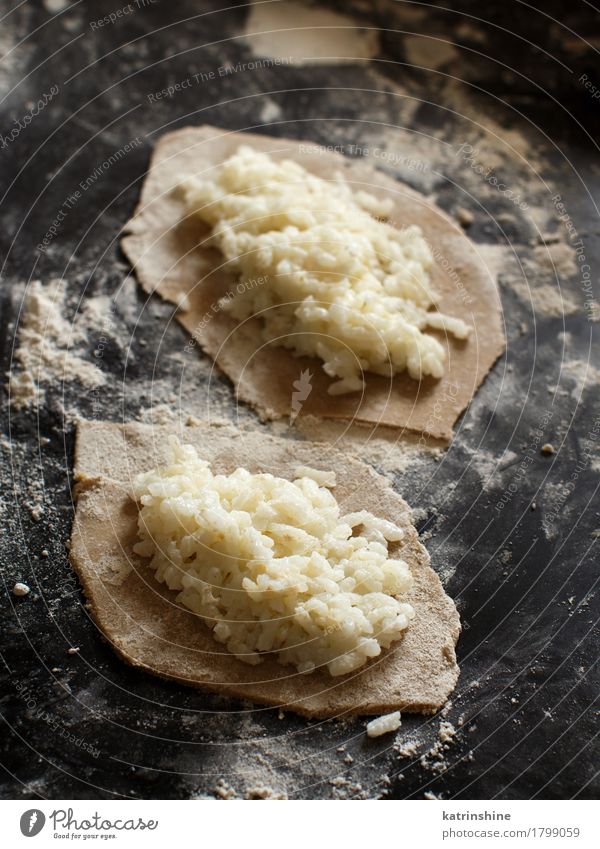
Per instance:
{"type": "Point", "coordinates": [32, 822]}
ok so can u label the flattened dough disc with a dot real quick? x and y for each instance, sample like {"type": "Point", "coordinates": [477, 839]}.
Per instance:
{"type": "Point", "coordinates": [149, 630]}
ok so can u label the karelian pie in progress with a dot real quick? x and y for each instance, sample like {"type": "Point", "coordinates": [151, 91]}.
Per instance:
{"type": "Point", "coordinates": [172, 619]}
{"type": "Point", "coordinates": [286, 259]}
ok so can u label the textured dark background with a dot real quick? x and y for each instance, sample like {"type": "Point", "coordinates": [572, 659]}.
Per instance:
{"type": "Point", "coordinates": [525, 584]}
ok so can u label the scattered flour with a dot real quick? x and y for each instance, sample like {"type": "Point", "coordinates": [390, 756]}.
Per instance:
{"type": "Point", "coordinates": [298, 34]}
{"type": "Point", "coordinates": [263, 792]}
{"type": "Point", "coordinates": [540, 282]}
{"type": "Point", "coordinates": [408, 749]}
{"type": "Point", "coordinates": [15, 51]}
{"type": "Point", "coordinates": [546, 298]}
{"type": "Point", "coordinates": [44, 352]}
{"type": "Point", "coordinates": [447, 732]}
{"type": "Point", "coordinates": [168, 414]}
{"type": "Point", "coordinates": [223, 790]}
{"type": "Point", "coordinates": [582, 374]}
{"type": "Point", "coordinates": [556, 496]}
{"type": "Point", "coordinates": [428, 52]}
{"type": "Point", "coordinates": [382, 447]}
{"type": "Point", "coordinates": [557, 259]}
{"type": "Point", "coordinates": [55, 5]}
{"type": "Point", "coordinates": [270, 112]}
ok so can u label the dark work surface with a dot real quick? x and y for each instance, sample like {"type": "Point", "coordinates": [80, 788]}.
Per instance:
{"type": "Point", "coordinates": [524, 574]}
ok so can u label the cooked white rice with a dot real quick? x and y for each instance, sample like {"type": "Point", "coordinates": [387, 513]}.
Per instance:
{"type": "Point", "coordinates": [384, 724]}
{"type": "Point", "coordinates": [326, 277]}
{"type": "Point", "coordinates": [271, 566]}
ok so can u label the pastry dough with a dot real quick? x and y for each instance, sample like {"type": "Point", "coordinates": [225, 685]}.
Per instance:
{"type": "Point", "coordinates": [163, 247]}
{"type": "Point", "coordinates": [150, 631]}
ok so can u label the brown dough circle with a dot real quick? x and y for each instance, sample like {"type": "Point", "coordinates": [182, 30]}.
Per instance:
{"type": "Point", "coordinates": [141, 620]}
{"type": "Point", "coordinates": [162, 247]}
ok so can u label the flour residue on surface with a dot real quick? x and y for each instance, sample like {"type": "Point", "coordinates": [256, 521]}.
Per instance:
{"type": "Point", "coordinates": [45, 341]}
{"type": "Point", "coordinates": [427, 52]}
{"type": "Point", "coordinates": [15, 53]}
{"type": "Point", "coordinates": [270, 112]}
{"type": "Point", "coordinates": [300, 34]}
{"type": "Point", "coordinates": [540, 282]}
{"type": "Point", "coordinates": [545, 298]}
{"type": "Point", "coordinates": [556, 496]}
{"type": "Point", "coordinates": [350, 765]}
{"type": "Point", "coordinates": [498, 258]}
{"type": "Point", "coordinates": [54, 6]}
{"type": "Point", "coordinates": [380, 447]}
{"type": "Point", "coordinates": [582, 375]}
{"type": "Point", "coordinates": [537, 281]}
{"type": "Point", "coordinates": [490, 465]}
{"type": "Point", "coordinates": [557, 258]}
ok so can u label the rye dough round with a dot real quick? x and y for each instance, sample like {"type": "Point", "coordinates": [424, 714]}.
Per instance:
{"type": "Point", "coordinates": [149, 630]}
{"type": "Point", "coordinates": [168, 257]}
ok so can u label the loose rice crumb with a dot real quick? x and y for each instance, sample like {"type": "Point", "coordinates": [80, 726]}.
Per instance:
{"type": "Point", "coordinates": [384, 724]}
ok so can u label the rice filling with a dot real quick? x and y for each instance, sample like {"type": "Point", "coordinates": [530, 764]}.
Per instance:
{"type": "Point", "coordinates": [323, 270]}
{"type": "Point", "coordinates": [271, 565]}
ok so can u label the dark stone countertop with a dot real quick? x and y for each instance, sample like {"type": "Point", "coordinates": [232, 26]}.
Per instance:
{"type": "Point", "coordinates": [517, 84]}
